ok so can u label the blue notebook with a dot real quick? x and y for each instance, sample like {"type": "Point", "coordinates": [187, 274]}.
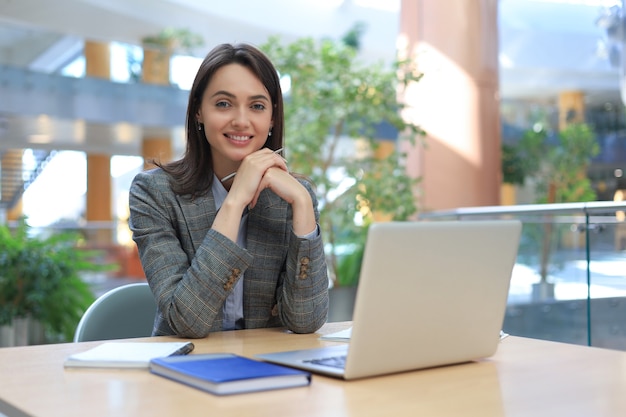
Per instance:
{"type": "Point", "coordinates": [225, 373]}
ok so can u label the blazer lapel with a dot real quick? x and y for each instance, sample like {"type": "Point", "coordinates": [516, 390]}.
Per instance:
{"type": "Point", "coordinates": [268, 207]}
{"type": "Point", "coordinates": [199, 215]}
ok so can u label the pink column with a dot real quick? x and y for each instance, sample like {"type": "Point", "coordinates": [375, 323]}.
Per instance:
{"type": "Point", "coordinates": [456, 102]}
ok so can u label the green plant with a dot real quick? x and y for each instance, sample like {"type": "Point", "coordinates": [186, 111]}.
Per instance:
{"type": "Point", "coordinates": [157, 52]}
{"type": "Point", "coordinates": [513, 167]}
{"type": "Point", "coordinates": [172, 40]}
{"type": "Point", "coordinates": [333, 106]}
{"type": "Point", "coordinates": [558, 167]}
{"type": "Point", "coordinates": [40, 279]}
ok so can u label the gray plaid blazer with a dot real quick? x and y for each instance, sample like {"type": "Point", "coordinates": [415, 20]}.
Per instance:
{"type": "Point", "coordinates": [191, 268]}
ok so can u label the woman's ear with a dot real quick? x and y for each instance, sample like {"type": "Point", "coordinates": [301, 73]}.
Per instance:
{"type": "Point", "coordinates": [199, 120]}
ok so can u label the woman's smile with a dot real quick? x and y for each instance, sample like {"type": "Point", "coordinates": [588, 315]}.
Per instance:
{"type": "Point", "coordinates": [236, 114]}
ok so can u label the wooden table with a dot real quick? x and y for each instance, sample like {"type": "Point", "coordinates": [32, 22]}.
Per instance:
{"type": "Point", "coordinates": [525, 378]}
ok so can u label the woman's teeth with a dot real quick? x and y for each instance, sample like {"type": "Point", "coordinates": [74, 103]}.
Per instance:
{"type": "Point", "coordinates": [239, 138]}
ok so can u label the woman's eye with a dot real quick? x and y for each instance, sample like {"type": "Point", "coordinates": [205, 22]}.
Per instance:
{"type": "Point", "coordinates": [222, 104]}
{"type": "Point", "coordinates": [258, 107]}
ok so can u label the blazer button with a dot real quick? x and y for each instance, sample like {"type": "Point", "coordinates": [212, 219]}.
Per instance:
{"type": "Point", "coordinates": [303, 275]}
{"type": "Point", "coordinates": [304, 260]}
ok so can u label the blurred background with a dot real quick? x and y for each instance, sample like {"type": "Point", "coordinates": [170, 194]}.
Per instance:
{"type": "Point", "coordinates": [91, 89]}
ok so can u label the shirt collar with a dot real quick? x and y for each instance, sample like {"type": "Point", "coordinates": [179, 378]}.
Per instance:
{"type": "Point", "coordinates": [219, 192]}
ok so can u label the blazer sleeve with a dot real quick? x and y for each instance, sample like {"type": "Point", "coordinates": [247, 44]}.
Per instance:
{"type": "Point", "coordinates": [303, 296]}
{"type": "Point", "coordinates": [190, 285]}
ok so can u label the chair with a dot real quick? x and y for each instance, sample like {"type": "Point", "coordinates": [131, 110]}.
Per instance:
{"type": "Point", "coordinates": [123, 312]}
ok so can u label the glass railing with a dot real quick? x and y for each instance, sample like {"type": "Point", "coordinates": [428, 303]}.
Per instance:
{"type": "Point", "coordinates": [568, 284]}
{"type": "Point", "coordinates": [569, 280]}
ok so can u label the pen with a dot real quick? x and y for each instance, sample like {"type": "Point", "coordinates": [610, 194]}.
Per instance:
{"type": "Point", "coordinates": [185, 349]}
{"type": "Point", "coordinates": [229, 176]}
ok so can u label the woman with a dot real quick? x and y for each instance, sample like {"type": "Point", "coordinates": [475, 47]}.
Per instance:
{"type": "Point", "coordinates": [223, 251]}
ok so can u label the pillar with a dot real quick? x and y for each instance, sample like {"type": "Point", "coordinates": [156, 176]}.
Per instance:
{"type": "Point", "coordinates": [156, 148]}
{"type": "Point", "coordinates": [16, 212]}
{"type": "Point", "coordinates": [571, 108]}
{"type": "Point", "coordinates": [99, 187]}
{"type": "Point", "coordinates": [12, 161]}
{"type": "Point", "coordinates": [156, 67]}
{"type": "Point", "coordinates": [385, 148]}
{"type": "Point", "coordinates": [456, 102]}
{"type": "Point", "coordinates": [97, 60]}
{"type": "Point", "coordinates": [98, 204]}
{"type": "Point", "coordinates": [156, 70]}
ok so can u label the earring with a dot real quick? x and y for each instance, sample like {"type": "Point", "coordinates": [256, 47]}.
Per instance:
{"type": "Point", "coordinates": [199, 126]}
{"type": "Point", "coordinates": [270, 132]}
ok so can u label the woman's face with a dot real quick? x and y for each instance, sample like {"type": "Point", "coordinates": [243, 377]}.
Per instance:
{"type": "Point", "coordinates": [236, 111]}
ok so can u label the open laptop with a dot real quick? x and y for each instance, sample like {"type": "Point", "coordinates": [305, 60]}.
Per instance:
{"type": "Point", "coordinates": [430, 294]}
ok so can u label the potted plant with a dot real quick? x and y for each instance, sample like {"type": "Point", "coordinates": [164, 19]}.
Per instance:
{"type": "Point", "coordinates": [335, 106]}
{"type": "Point", "coordinates": [158, 49]}
{"type": "Point", "coordinates": [172, 40]}
{"type": "Point", "coordinates": [40, 282]}
{"type": "Point", "coordinates": [557, 164]}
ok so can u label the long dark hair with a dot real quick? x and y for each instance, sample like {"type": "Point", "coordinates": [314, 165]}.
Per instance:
{"type": "Point", "coordinates": [193, 173]}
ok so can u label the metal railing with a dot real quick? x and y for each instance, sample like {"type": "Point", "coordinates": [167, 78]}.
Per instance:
{"type": "Point", "coordinates": [569, 280]}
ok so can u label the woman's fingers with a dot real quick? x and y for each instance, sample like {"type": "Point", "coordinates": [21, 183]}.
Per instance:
{"type": "Point", "coordinates": [252, 170]}
{"type": "Point", "coordinates": [280, 182]}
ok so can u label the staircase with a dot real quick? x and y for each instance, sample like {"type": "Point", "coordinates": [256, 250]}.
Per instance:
{"type": "Point", "coordinates": [18, 169]}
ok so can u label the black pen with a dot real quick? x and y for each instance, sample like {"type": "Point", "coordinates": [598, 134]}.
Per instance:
{"type": "Point", "coordinates": [185, 349]}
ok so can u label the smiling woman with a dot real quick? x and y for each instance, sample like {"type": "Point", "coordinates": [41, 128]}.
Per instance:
{"type": "Point", "coordinates": [237, 107]}
{"type": "Point", "coordinates": [200, 238]}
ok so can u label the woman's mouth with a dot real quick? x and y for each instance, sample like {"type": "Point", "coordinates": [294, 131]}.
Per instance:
{"type": "Point", "coordinates": [238, 138]}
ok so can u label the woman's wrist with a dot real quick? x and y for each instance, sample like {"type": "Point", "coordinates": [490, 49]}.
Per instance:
{"type": "Point", "coordinates": [304, 221]}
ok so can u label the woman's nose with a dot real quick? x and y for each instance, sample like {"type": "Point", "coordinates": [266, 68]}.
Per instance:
{"type": "Point", "coordinates": [241, 118]}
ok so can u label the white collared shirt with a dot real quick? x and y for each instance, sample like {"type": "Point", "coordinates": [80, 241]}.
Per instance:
{"type": "Point", "coordinates": [233, 306]}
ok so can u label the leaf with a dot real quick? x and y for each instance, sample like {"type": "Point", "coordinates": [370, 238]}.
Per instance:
{"type": "Point", "coordinates": [40, 277]}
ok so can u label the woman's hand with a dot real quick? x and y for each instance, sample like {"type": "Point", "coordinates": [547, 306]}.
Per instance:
{"type": "Point", "coordinates": [250, 175]}
{"type": "Point", "coordinates": [283, 184]}
{"type": "Point", "coordinates": [245, 189]}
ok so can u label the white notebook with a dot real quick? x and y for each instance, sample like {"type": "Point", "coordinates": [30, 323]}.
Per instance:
{"type": "Point", "coordinates": [340, 336]}
{"type": "Point", "coordinates": [126, 354]}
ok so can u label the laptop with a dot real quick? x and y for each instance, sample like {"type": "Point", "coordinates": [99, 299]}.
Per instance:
{"type": "Point", "coordinates": [431, 293]}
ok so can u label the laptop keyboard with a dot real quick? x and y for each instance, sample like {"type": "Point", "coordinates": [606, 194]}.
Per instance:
{"type": "Point", "coordinates": [334, 361]}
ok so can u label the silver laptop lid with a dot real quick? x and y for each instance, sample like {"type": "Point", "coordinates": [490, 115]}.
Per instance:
{"type": "Point", "coordinates": [430, 294]}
